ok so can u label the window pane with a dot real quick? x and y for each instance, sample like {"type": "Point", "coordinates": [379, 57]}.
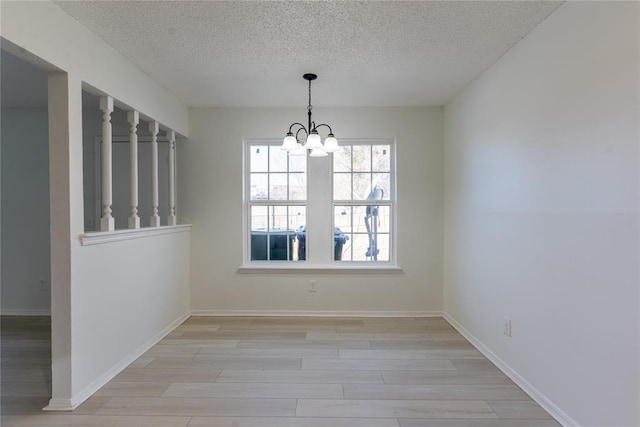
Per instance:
{"type": "Point", "coordinates": [346, 251]}
{"type": "Point", "coordinates": [278, 186]}
{"type": "Point", "coordinates": [379, 218]}
{"type": "Point", "coordinates": [370, 247]}
{"type": "Point", "coordinates": [383, 247]}
{"type": "Point", "coordinates": [259, 158]}
{"type": "Point", "coordinates": [360, 219]}
{"type": "Point", "coordinates": [297, 163]}
{"type": "Point", "coordinates": [279, 219]}
{"type": "Point", "coordinates": [340, 240]}
{"type": "Point", "coordinates": [258, 186]}
{"type": "Point", "coordinates": [360, 243]}
{"type": "Point", "coordinates": [297, 222]}
{"type": "Point", "coordinates": [366, 231]}
{"type": "Point", "coordinates": [342, 218]}
{"type": "Point", "coordinates": [361, 158]}
{"type": "Point", "coordinates": [273, 232]}
{"type": "Point", "coordinates": [297, 217]}
{"type": "Point", "coordinates": [259, 218]}
{"type": "Point", "coordinates": [277, 159]}
{"type": "Point", "coordinates": [382, 158]}
{"type": "Point", "coordinates": [342, 159]}
{"type": "Point", "coordinates": [297, 186]}
{"type": "Point", "coordinates": [341, 186]}
{"type": "Point", "coordinates": [383, 182]}
{"type": "Point", "coordinates": [361, 186]}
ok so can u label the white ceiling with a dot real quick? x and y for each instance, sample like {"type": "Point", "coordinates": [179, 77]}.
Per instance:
{"type": "Point", "coordinates": [238, 53]}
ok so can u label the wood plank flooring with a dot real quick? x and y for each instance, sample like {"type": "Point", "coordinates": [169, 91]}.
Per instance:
{"type": "Point", "coordinates": [278, 372]}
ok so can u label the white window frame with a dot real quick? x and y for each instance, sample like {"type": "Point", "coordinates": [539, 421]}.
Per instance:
{"type": "Point", "coordinates": [390, 203]}
{"type": "Point", "coordinates": [248, 204]}
{"type": "Point", "coordinates": [320, 217]}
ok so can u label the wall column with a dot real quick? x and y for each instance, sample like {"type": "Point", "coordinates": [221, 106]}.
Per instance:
{"type": "Point", "coordinates": [133, 118]}
{"type": "Point", "coordinates": [67, 222]}
{"type": "Point", "coordinates": [172, 177]}
{"type": "Point", "coordinates": [107, 222]}
{"type": "Point", "coordinates": [154, 128]}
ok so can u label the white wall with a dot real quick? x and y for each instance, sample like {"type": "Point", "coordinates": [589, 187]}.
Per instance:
{"type": "Point", "coordinates": [108, 302]}
{"type": "Point", "coordinates": [541, 208]}
{"type": "Point", "coordinates": [211, 182]}
{"type": "Point", "coordinates": [128, 294]}
{"type": "Point", "coordinates": [25, 212]}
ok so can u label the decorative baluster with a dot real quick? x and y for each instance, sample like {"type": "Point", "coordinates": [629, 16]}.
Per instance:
{"type": "Point", "coordinates": [134, 118]}
{"type": "Point", "coordinates": [107, 222]}
{"type": "Point", "coordinates": [154, 128]}
{"type": "Point", "coordinates": [172, 177]}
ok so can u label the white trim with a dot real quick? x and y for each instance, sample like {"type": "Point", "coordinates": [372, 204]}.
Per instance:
{"type": "Point", "coordinates": [59, 405]}
{"type": "Point", "coordinates": [525, 385]}
{"type": "Point", "coordinates": [26, 312]}
{"type": "Point", "coordinates": [78, 399]}
{"type": "Point", "coordinates": [317, 313]}
{"type": "Point", "coordinates": [292, 267]}
{"type": "Point", "coordinates": [97, 238]}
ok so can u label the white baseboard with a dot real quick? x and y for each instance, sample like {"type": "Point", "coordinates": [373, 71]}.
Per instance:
{"type": "Point", "coordinates": [77, 399]}
{"type": "Point", "coordinates": [59, 405]}
{"type": "Point", "coordinates": [316, 313]}
{"type": "Point", "coordinates": [26, 312]}
{"type": "Point", "coordinates": [525, 385]}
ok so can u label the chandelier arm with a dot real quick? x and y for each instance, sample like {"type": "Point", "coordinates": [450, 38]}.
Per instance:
{"type": "Point", "coordinates": [301, 129]}
{"type": "Point", "coordinates": [296, 123]}
{"type": "Point", "coordinates": [322, 124]}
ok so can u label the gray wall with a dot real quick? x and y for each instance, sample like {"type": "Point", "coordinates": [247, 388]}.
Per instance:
{"type": "Point", "coordinates": [25, 211]}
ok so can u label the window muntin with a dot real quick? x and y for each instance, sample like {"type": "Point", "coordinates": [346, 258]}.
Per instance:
{"type": "Point", "coordinates": [363, 201]}
{"type": "Point", "coordinates": [274, 235]}
{"type": "Point", "coordinates": [277, 205]}
{"type": "Point", "coordinates": [362, 224]}
{"type": "Point", "coordinates": [275, 175]}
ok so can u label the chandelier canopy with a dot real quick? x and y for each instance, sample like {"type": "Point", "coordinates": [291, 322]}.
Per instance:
{"type": "Point", "coordinates": [313, 142]}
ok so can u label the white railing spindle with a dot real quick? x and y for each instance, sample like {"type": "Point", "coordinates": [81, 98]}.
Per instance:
{"type": "Point", "coordinates": [172, 177]}
{"type": "Point", "coordinates": [154, 128]}
{"type": "Point", "coordinates": [107, 222]}
{"type": "Point", "coordinates": [133, 117]}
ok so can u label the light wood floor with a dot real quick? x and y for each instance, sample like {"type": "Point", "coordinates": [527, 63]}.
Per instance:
{"type": "Point", "coordinates": [279, 372]}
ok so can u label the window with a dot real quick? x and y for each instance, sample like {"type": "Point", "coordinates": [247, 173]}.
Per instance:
{"type": "Point", "coordinates": [342, 214]}
{"type": "Point", "coordinates": [277, 202]}
{"type": "Point", "coordinates": [362, 201]}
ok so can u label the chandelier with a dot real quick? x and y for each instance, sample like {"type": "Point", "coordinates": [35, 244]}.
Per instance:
{"type": "Point", "coordinates": [313, 142]}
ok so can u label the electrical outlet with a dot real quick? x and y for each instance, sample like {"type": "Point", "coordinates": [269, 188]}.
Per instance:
{"type": "Point", "coordinates": [312, 286]}
{"type": "Point", "coordinates": [507, 326]}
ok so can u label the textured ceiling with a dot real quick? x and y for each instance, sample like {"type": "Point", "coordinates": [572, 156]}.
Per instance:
{"type": "Point", "coordinates": [238, 53]}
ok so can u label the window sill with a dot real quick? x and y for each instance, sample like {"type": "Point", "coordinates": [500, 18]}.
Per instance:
{"type": "Point", "coordinates": [320, 269]}
{"type": "Point", "coordinates": [101, 237]}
